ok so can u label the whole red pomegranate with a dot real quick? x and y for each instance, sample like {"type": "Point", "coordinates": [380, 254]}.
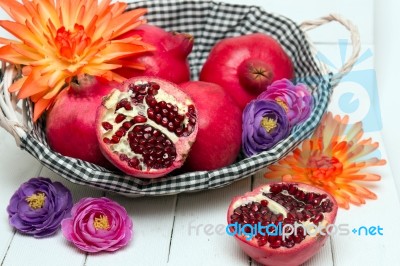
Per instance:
{"type": "Point", "coordinates": [220, 127]}
{"type": "Point", "coordinates": [246, 65]}
{"type": "Point", "coordinates": [168, 61]}
{"type": "Point", "coordinates": [282, 223]}
{"type": "Point", "coordinates": [147, 126]}
{"type": "Point", "coordinates": [70, 124]}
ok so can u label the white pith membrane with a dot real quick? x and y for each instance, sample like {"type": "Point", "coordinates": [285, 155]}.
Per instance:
{"type": "Point", "coordinates": [139, 111]}
{"type": "Point", "coordinates": [268, 207]}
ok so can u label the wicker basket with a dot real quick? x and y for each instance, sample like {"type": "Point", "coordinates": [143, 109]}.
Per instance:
{"type": "Point", "coordinates": [208, 22]}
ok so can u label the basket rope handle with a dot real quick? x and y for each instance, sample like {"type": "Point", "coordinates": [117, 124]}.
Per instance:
{"type": "Point", "coordinates": [13, 117]}
{"type": "Point", "coordinates": [355, 41]}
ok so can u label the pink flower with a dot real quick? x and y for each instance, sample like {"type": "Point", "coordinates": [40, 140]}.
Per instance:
{"type": "Point", "coordinates": [98, 224]}
{"type": "Point", "coordinates": [295, 99]}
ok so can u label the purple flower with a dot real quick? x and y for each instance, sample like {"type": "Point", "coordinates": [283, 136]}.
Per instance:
{"type": "Point", "coordinates": [295, 99]}
{"type": "Point", "coordinates": [264, 124]}
{"type": "Point", "coordinates": [38, 207]}
{"type": "Point", "coordinates": [98, 225]}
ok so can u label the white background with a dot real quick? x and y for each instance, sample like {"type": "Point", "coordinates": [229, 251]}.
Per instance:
{"type": "Point", "coordinates": [161, 224]}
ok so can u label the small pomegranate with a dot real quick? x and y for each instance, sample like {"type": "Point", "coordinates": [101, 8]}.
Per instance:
{"type": "Point", "coordinates": [70, 124]}
{"type": "Point", "coordinates": [147, 126]}
{"type": "Point", "coordinates": [246, 65]}
{"type": "Point", "coordinates": [292, 221]}
{"type": "Point", "coordinates": [168, 61]}
{"type": "Point", "coordinates": [220, 127]}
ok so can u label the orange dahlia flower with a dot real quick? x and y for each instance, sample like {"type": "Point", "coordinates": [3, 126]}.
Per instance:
{"type": "Point", "coordinates": [59, 39]}
{"type": "Point", "coordinates": [334, 159]}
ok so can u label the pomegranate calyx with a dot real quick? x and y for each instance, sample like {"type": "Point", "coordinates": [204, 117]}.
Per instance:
{"type": "Point", "coordinates": [255, 75]}
{"type": "Point", "coordinates": [182, 43]}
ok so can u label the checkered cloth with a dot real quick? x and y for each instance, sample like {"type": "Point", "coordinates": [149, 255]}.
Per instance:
{"type": "Point", "coordinates": [208, 22]}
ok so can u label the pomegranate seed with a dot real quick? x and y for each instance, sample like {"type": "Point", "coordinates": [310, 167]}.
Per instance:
{"type": "Point", "coordinates": [107, 126]}
{"type": "Point", "coordinates": [127, 125]}
{"type": "Point", "coordinates": [171, 127]}
{"type": "Point", "coordinates": [133, 162]}
{"type": "Point", "coordinates": [119, 118]}
{"type": "Point", "coordinates": [275, 189]}
{"type": "Point", "coordinates": [162, 104]}
{"type": "Point", "coordinates": [128, 106]}
{"type": "Point", "coordinates": [123, 157]}
{"type": "Point", "coordinates": [264, 203]}
{"type": "Point", "coordinates": [120, 132]}
{"type": "Point", "coordinates": [191, 109]}
{"type": "Point", "coordinates": [289, 244]}
{"type": "Point", "coordinates": [154, 85]}
{"type": "Point", "coordinates": [180, 118]}
{"type": "Point", "coordinates": [115, 139]}
{"type": "Point", "coordinates": [179, 131]}
{"type": "Point", "coordinates": [106, 140]}
{"type": "Point", "coordinates": [158, 118]}
{"type": "Point", "coordinates": [139, 119]}
{"type": "Point", "coordinates": [164, 122]}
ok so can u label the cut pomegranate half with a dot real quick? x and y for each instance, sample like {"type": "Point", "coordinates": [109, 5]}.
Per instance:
{"type": "Point", "coordinates": [282, 223]}
{"type": "Point", "coordinates": [146, 127]}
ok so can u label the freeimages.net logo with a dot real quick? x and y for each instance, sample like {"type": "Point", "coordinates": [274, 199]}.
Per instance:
{"type": "Point", "coordinates": [357, 93]}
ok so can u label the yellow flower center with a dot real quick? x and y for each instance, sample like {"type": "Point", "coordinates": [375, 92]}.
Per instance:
{"type": "Point", "coordinates": [72, 44]}
{"type": "Point", "coordinates": [268, 124]}
{"type": "Point", "coordinates": [322, 169]}
{"type": "Point", "coordinates": [282, 104]}
{"type": "Point", "coordinates": [36, 200]}
{"type": "Point", "coordinates": [101, 223]}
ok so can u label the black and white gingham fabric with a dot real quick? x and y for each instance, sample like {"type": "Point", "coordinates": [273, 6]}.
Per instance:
{"type": "Point", "coordinates": [208, 22]}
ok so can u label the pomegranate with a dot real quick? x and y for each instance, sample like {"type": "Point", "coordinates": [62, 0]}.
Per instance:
{"type": "Point", "coordinates": [282, 223]}
{"type": "Point", "coordinates": [220, 127]}
{"type": "Point", "coordinates": [168, 61]}
{"type": "Point", "coordinates": [147, 126]}
{"type": "Point", "coordinates": [246, 65]}
{"type": "Point", "coordinates": [70, 124]}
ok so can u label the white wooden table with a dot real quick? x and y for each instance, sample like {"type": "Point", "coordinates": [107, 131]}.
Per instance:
{"type": "Point", "coordinates": [165, 227]}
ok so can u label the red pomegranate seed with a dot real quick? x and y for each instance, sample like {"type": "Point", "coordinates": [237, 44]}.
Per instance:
{"type": "Point", "coordinates": [133, 162]}
{"type": "Point", "coordinates": [115, 139]}
{"type": "Point", "coordinates": [139, 119]}
{"type": "Point", "coordinates": [120, 132]}
{"type": "Point", "coordinates": [106, 140]}
{"type": "Point", "coordinates": [123, 157]}
{"type": "Point", "coordinates": [162, 104]}
{"type": "Point", "coordinates": [119, 118]}
{"type": "Point", "coordinates": [127, 125]}
{"type": "Point", "coordinates": [107, 126]}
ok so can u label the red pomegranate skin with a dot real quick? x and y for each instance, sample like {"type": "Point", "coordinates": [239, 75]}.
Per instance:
{"type": "Point", "coordinates": [168, 61]}
{"type": "Point", "coordinates": [226, 57]}
{"type": "Point", "coordinates": [70, 124]}
{"type": "Point", "coordinates": [283, 256]}
{"type": "Point", "coordinates": [218, 140]}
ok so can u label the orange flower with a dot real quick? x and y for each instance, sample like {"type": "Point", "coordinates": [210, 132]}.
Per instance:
{"type": "Point", "coordinates": [59, 39]}
{"type": "Point", "coordinates": [333, 159]}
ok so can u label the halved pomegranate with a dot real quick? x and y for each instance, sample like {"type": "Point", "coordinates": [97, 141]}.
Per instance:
{"type": "Point", "coordinates": [146, 127]}
{"type": "Point", "coordinates": [282, 224]}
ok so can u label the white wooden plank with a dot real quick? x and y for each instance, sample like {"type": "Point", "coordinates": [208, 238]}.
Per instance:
{"type": "Point", "coordinates": [199, 232]}
{"type": "Point", "coordinates": [16, 167]}
{"type": "Point", "coordinates": [376, 249]}
{"type": "Point", "coordinates": [388, 54]}
{"type": "Point", "coordinates": [152, 225]}
{"type": "Point", "coordinates": [360, 12]}
{"type": "Point", "coordinates": [26, 250]}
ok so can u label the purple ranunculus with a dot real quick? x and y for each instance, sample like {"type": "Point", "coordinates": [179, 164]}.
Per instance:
{"type": "Point", "coordinates": [38, 207]}
{"type": "Point", "coordinates": [98, 224]}
{"type": "Point", "coordinates": [295, 99]}
{"type": "Point", "coordinates": [264, 124]}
